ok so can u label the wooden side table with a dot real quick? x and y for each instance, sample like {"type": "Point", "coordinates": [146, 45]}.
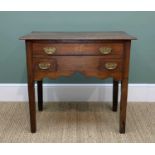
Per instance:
{"type": "Point", "coordinates": [97, 54]}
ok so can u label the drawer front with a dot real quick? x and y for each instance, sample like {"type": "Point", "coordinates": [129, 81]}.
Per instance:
{"type": "Point", "coordinates": [65, 66]}
{"type": "Point", "coordinates": [106, 49]}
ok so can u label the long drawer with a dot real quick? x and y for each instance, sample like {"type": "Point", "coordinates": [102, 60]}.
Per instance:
{"type": "Point", "coordinates": [65, 65]}
{"type": "Point", "coordinates": [50, 49]}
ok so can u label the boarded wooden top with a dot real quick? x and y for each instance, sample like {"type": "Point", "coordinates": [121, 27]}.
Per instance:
{"type": "Point", "coordinates": [115, 35]}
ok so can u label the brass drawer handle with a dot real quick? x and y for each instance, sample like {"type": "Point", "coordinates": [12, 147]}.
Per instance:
{"type": "Point", "coordinates": [105, 50]}
{"type": "Point", "coordinates": [44, 66]}
{"type": "Point", "coordinates": [110, 65]}
{"type": "Point", "coordinates": [49, 50]}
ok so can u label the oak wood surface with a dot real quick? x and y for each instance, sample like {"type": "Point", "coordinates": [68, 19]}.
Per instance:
{"type": "Point", "coordinates": [31, 91]}
{"type": "Point", "coordinates": [124, 87]}
{"type": "Point", "coordinates": [78, 52]}
{"type": "Point", "coordinates": [78, 48]}
{"type": "Point", "coordinates": [115, 35]}
{"type": "Point", "coordinates": [68, 65]}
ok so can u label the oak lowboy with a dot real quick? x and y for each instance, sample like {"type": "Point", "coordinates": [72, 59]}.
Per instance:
{"type": "Point", "coordinates": [97, 54]}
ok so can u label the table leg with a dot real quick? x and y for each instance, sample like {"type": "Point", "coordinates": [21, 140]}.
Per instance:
{"type": "Point", "coordinates": [32, 107]}
{"type": "Point", "coordinates": [115, 95]}
{"type": "Point", "coordinates": [123, 104]}
{"type": "Point", "coordinates": [40, 95]}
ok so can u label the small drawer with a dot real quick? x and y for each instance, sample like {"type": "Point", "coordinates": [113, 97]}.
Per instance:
{"type": "Point", "coordinates": [104, 49]}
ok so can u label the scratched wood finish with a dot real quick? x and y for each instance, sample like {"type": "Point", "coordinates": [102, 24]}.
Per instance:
{"type": "Point", "coordinates": [78, 52]}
